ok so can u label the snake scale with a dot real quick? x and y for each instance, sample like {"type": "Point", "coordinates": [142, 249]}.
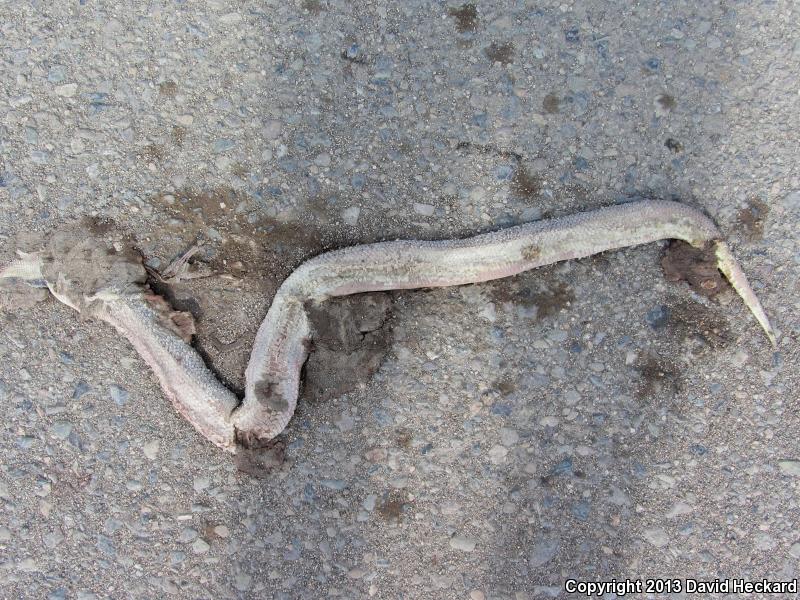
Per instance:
{"type": "Point", "coordinates": [117, 294]}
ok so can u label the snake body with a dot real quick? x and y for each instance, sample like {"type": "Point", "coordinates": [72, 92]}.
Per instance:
{"type": "Point", "coordinates": [281, 344]}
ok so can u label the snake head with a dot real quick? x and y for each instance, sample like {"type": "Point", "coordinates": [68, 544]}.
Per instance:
{"type": "Point", "coordinates": [85, 271]}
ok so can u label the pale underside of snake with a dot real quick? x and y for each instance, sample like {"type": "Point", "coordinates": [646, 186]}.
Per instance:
{"type": "Point", "coordinates": [119, 297]}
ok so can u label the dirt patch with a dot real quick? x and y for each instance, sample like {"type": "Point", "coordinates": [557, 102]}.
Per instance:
{"type": "Point", "coordinates": [751, 219]}
{"type": "Point", "coordinates": [243, 257]}
{"type": "Point", "coordinates": [505, 386]}
{"type": "Point", "coordinates": [152, 153]}
{"type": "Point", "coordinates": [666, 101]}
{"type": "Point", "coordinates": [261, 462]}
{"type": "Point", "coordinates": [313, 6]}
{"type": "Point", "coordinates": [178, 135]}
{"type": "Point", "coordinates": [229, 283]}
{"type": "Point", "coordinates": [553, 300]}
{"type": "Point", "coordinates": [524, 184]}
{"type": "Point", "coordinates": [548, 299]}
{"type": "Point", "coordinates": [350, 339]}
{"type": "Point", "coordinates": [466, 17]}
{"type": "Point", "coordinates": [657, 378]}
{"type": "Point", "coordinates": [500, 53]}
{"type": "Point", "coordinates": [403, 437]}
{"type": "Point", "coordinates": [489, 149]}
{"type": "Point", "coordinates": [98, 226]}
{"type": "Point", "coordinates": [551, 104]}
{"type": "Point", "coordinates": [393, 506]}
{"type": "Point", "coordinates": [674, 145]}
{"type": "Point", "coordinates": [695, 266]}
{"type": "Point", "coordinates": [693, 321]}
{"type": "Point", "coordinates": [168, 89]}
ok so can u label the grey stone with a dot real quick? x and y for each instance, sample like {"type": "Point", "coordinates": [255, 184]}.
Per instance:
{"type": "Point", "coordinates": [118, 394]}
{"type": "Point", "coordinates": [543, 551]}
{"type": "Point", "coordinates": [81, 388]}
{"type": "Point", "coordinates": [657, 536]}
{"type": "Point", "coordinates": [369, 502]}
{"type": "Point", "coordinates": [460, 542]}
{"type": "Point", "coordinates": [334, 484]}
{"type": "Point", "coordinates": [426, 210]}
{"type": "Point", "coordinates": [790, 467]}
{"type": "Point", "coordinates": [223, 145]}
{"type": "Point", "coordinates": [68, 90]}
{"type": "Point", "coordinates": [188, 535]}
{"type": "Point", "coordinates": [242, 582]}
{"type": "Point", "coordinates": [350, 215]}
{"type": "Point", "coordinates": [272, 129]}
{"type": "Point", "coordinates": [61, 429]}
{"type": "Point", "coordinates": [792, 200]}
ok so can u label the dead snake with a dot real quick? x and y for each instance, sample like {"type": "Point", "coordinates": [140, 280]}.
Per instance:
{"type": "Point", "coordinates": [281, 345]}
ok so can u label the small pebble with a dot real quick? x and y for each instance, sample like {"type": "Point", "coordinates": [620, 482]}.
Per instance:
{"type": "Point", "coordinates": [61, 429]}
{"type": "Point", "coordinates": [426, 210]}
{"type": "Point", "coordinates": [323, 159]}
{"type": "Point", "coordinates": [222, 531]}
{"type": "Point", "coordinates": [497, 454]}
{"type": "Point", "coordinates": [272, 129]}
{"type": "Point", "coordinates": [352, 51]}
{"type": "Point", "coordinates": [56, 74]}
{"type": "Point", "coordinates": [543, 551]}
{"type": "Point", "coordinates": [223, 145]}
{"type": "Point", "coordinates": [118, 394]}
{"type": "Point", "coordinates": [68, 90]}
{"type": "Point", "coordinates": [350, 215]}
{"type": "Point", "coordinates": [581, 510]}
{"type": "Point", "coordinates": [242, 582]}
{"type": "Point", "coordinates": [105, 545]}
{"type": "Point", "coordinates": [187, 535]}
{"type": "Point", "coordinates": [572, 35]}
{"type": "Point", "coordinates": [657, 536]}
{"type": "Point", "coordinates": [794, 551]}
{"type": "Point", "coordinates": [657, 317]}
{"type": "Point", "coordinates": [151, 448]}
{"type": "Point", "coordinates": [465, 544]}
{"type": "Point", "coordinates": [334, 484]}
{"type": "Point", "coordinates": [792, 200]}
{"type": "Point", "coordinates": [508, 437]}
{"type": "Point", "coordinates": [201, 483]}
{"type": "Point", "coordinates": [81, 388]}
{"type": "Point", "coordinates": [369, 502]}
{"type": "Point", "coordinates": [790, 467]}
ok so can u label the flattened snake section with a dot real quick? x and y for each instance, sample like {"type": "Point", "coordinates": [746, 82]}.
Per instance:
{"type": "Point", "coordinates": [82, 273]}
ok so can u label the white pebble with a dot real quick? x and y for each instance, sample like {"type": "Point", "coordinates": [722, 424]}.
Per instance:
{"type": "Point", "coordinates": [68, 90]}
{"type": "Point", "coordinates": [350, 215]}
{"type": "Point", "coordinates": [425, 210]}
{"type": "Point", "coordinates": [465, 544]}
{"type": "Point", "coordinates": [151, 448]}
